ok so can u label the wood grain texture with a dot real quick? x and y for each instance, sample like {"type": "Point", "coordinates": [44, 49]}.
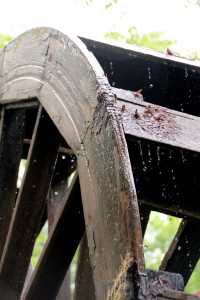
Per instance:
{"type": "Point", "coordinates": [11, 143]}
{"type": "Point", "coordinates": [158, 124]}
{"type": "Point", "coordinates": [78, 98]}
{"type": "Point", "coordinates": [84, 283]}
{"type": "Point", "coordinates": [60, 248]}
{"type": "Point", "coordinates": [31, 201]}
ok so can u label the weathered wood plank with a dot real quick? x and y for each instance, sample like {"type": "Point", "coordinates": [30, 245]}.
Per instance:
{"type": "Point", "coordinates": [144, 217]}
{"type": "Point", "coordinates": [11, 142]}
{"type": "Point", "coordinates": [30, 104]}
{"type": "Point", "coordinates": [165, 79]}
{"type": "Point", "coordinates": [29, 208]}
{"type": "Point", "coordinates": [184, 247]}
{"type": "Point", "coordinates": [78, 98]}
{"type": "Point", "coordinates": [84, 283]}
{"type": "Point", "coordinates": [175, 295]}
{"type": "Point", "coordinates": [172, 281]}
{"type": "Point", "coordinates": [57, 193]}
{"type": "Point", "coordinates": [155, 123]}
{"type": "Point", "coordinates": [59, 251]}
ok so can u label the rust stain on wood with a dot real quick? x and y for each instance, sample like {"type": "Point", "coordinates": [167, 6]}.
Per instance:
{"type": "Point", "coordinates": [157, 121]}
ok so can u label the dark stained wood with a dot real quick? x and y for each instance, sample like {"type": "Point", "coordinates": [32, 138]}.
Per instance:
{"type": "Point", "coordinates": [84, 283]}
{"type": "Point", "coordinates": [30, 206]}
{"type": "Point", "coordinates": [60, 248]}
{"type": "Point", "coordinates": [57, 193]}
{"type": "Point", "coordinates": [162, 175]}
{"type": "Point", "coordinates": [144, 217]}
{"type": "Point", "coordinates": [173, 281]}
{"type": "Point", "coordinates": [165, 80]}
{"type": "Point", "coordinates": [184, 251]}
{"type": "Point", "coordinates": [11, 142]}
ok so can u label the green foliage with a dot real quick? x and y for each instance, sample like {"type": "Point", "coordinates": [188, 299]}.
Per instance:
{"type": "Point", "coordinates": [152, 40]}
{"type": "Point", "coordinates": [160, 233]}
{"type": "Point", "coordinates": [158, 237]}
{"type": "Point", "coordinates": [4, 38]}
{"type": "Point", "coordinates": [39, 244]}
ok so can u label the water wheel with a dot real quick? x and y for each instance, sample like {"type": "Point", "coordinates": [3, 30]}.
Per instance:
{"type": "Point", "coordinates": [60, 113]}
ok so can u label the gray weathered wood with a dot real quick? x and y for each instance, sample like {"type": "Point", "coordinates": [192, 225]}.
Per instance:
{"type": "Point", "coordinates": [11, 142]}
{"type": "Point", "coordinates": [60, 248]}
{"type": "Point", "coordinates": [74, 91]}
{"type": "Point", "coordinates": [155, 123]}
{"type": "Point", "coordinates": [31, 200]}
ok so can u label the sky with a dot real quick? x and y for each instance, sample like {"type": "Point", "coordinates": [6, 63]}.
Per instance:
{"type": "Point", "coordinates": [178, 19]}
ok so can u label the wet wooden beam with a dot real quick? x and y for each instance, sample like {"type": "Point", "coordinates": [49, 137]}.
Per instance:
{"type": "Point", "coordinates": [60, 248]}
{"type": "Point", "coordinates": [155, 123]}
{"type": "Point", "coordinates": [175, 295]}
{"type": "Point", "coordinates": [84, 283]}
{"type": "Point", "coordinates": [11, 141]}
{"type": "Point", "coordinates": [166, 80]}
{"type": "Point", "coordinates": [29, 208]}
{"type": "Point", "coordinates": [185, 247]}
{"type": "Point", "coordinates": [56, 196]}
{"type": "Point", "coordinates": [144, 217]}
{"type": "Point", "coordinates": [24, 104]}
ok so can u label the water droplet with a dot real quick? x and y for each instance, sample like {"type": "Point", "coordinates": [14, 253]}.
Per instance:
{"type": "Point", "coordinates": [179, 248]}
{"type": "Point", "coordinates": [56, 193]}
{"type": "Point", "coordinates": [63, 156]}
{"type": "Point", "coordinates": [149, 72]}
{"type": "Point", "coordinates": [144, 169]}
{"type": "Point", "coordinates": [186, 73]}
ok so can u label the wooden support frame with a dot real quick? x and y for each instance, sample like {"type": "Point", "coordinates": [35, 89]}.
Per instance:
{"type": "Point", "coordinates": [93, 119]}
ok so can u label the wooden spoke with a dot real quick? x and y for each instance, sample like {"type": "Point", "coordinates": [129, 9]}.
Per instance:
{"type": "Point", "coordinates": [57, 194]}
{"type": "Point", "coordinates": [144, 217]}
{"type": "Point", "coordinates": [60, 248]}
{"type": "Point", "coordinates": [30, 206]}
{"type": "Point", "coordinates": [184, 251]}
{"type": "Point", "coordinates": [84, 283]}
{"type": "Point", "coordinates": [11, 142]}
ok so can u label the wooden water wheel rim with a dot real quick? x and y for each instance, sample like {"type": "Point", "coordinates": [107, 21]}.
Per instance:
{"type": "Point", "coordinates": [70, 85]}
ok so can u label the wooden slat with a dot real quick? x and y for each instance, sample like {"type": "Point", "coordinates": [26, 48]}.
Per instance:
{"type": "Point", "coordinates": [60, 248]}
{"type": "Point", "coordinates": [162, 176]}
{"type": "Point", "coordinates": [30, 206]}
{"type": "Point", "coordinates": [155, 123]}
{"type": "Point", "coordinates": [144, 217]}
{"type": "Point", "coordinates": [30, 104]}
{"type": "Point", "coordinates": [59, 187]}
{"type": "Point", "coordinates": [170, 294]}
{"type": "Point", "coordinates": [84, 283]}
{"type": "Point", "coordinates": [184, 248]}
{"type": "Point", "coordinates": [11, 142]}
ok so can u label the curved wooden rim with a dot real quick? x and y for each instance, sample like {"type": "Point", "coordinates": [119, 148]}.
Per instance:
{"type": "Point", "coordinates": [71, 86]}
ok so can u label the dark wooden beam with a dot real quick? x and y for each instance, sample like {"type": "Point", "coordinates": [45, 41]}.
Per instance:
{"type": "Point", "coordinates": [60, 248]}
{"type": "Point", "coordinates": [155, 123]}
{"type": "Point", "coordinates": [184, 251]}
{"type": "Point", "coordinates": [31, 201]}
{"type": "Point", "coordinates": [11, 142]}
{"type": "Point", "coordinates": [84, 282]}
